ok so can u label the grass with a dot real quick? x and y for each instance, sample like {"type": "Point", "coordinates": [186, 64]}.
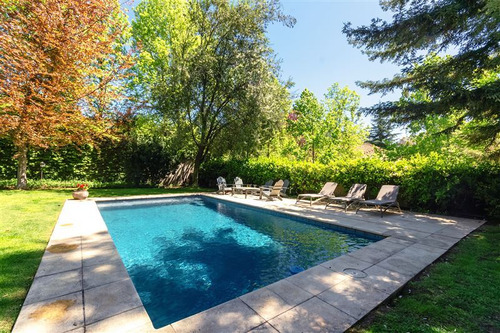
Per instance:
{"type": "Point", "coordinates": [26, 222]}
{"type": "Point", "coordinates": [460, 293]}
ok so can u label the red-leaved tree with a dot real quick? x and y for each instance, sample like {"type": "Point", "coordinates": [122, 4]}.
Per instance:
{"type": "Point", "coordinates": [60, 66]}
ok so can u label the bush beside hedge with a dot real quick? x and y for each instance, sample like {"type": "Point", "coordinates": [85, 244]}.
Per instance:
{"type": "Point", "coordinates": [428, 184]}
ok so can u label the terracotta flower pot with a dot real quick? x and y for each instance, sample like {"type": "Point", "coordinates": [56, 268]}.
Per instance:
{"type": "Point", "coordinates": [80, 195]}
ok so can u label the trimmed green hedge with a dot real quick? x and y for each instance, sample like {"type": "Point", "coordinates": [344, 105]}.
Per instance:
{"type": "Point", "coordinates": [37, 184]}
{"type": "Point", "coordinates": [428, 184]}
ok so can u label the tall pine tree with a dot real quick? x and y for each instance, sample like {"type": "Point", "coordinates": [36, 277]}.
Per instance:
{"type": "Point", "coordinates": [466, 83]}
{"type": "Point", "coordinates": [381, 132]}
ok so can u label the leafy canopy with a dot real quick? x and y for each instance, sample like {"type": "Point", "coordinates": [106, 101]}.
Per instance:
{"type": "Point", "coordinates": [208, 64]}
{"type": "Point", "coordinates": [325, 130]}
{"type": "Point", "coordinates": [59, 61]}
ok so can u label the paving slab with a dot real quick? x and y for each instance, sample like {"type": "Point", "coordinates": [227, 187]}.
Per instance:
{"type": "Point", "coordinates": [232, 316]}
{"type": "Point", "coordinates": [266, 303]}
{"type": "Point", "coordinates": [317, 279]}
{"type": "Point", "coordinates": [96, 255]}
{"type": "Point", "coordinates": [135, 320]}
{"type": "Point", "coordinates": [353, 297]}
{"type": "Point", "coordinates": [59, 262]}
{"type": "Point", "coordinates": [101, 274]}
{"type": "Point", "coordinates": [313, 315]}
{"type": "Point", "coordinates": [344, 262]}
{"type": "Point", "coordinates": [58, 314]}
{"type": "Point", "coordinates": [264, 328]}
{"type": "Point", "coordinates": [289, 292]}
{"type": "Point", "coordinates": [370, 255]}
{"type": "Point", "coordinates": [55, 285]}
{"type": "Point", "coordinates": [109, 300]}
{"type": "Point", "coordinates": [383, 279]}
{"type": "Point", "coordinates": [411, 260]}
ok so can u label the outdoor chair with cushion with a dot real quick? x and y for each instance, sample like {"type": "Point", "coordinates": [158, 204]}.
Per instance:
{"type": "Point", "coordinates": [356, 193]}
{"type": "Point", "coordinates": [386, 198]}
{"type": "Point", "coordinates": [325, 193]}
{"type": "Point", "coordinates": [274, 192]}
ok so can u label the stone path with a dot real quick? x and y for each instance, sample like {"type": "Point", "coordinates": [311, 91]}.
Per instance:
{"type": "Point", "coordinates": [83, 286]}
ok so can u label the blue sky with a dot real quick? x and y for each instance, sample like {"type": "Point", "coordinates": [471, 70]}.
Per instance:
{"type": "Point", "coordinates": [315, 53]}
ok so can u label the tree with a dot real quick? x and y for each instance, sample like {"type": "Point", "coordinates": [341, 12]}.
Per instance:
{"type": "Point", "coordinates": [207, 62]}
{"type": "Point", "coordinates": [344, 130]}
{"type": "Point", "coordinates": [306, 123]}
{"type": "Point", "coordinates": [329, 129]}
{"type": "Point", "coordinates": [467, 82]}
{"type": "Point", "coordinates": [381, 133]}
{"type": "Point", "coordinates": [58, 62]}
{"type": "Point", "coordinates": [430, 135]}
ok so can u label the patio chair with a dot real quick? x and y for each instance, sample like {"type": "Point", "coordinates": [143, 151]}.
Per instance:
{"type": "Point", "coordinates": [356, 193]}
{"type": "Point", "coordinates": [222, 186]}
{"type": "Point", "coordinates": [238, 182]}
{"type": "Point", "coordinates": [286, 186]}
{"type": "Point", "coordinates": [274, 192]}
{"type": "Point", "coordinates": [386, 198]}
{"type": "Point", "coordinates": [268, 184]}
{"type": "Point", "coordinates": [325, 193]}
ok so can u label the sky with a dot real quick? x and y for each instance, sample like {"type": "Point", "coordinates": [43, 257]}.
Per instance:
{"type": "Point", "coordinates": [315, 53]}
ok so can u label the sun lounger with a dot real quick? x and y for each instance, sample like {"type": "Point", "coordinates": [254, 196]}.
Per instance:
{"type": "Point", "coordinates": [386, 198]}
{"type": "Point", "coordinates": [325, 193]}
{"type": "Point", "coordinates": [356, 193]}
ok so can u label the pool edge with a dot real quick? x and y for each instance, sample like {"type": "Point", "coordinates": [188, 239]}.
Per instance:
{"type": "Point", "coordinates": [87, 225]}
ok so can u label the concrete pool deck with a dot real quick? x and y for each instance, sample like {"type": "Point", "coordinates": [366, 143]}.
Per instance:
{"type": "Point", "coordinates": [82, 285]}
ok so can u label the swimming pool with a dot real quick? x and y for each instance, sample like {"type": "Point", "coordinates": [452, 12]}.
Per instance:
{"type": "Point", "coordinates": [187, 254]}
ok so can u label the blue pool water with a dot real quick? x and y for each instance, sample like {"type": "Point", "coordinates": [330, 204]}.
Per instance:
{"type": "Point", "coordinates": [188, 254]}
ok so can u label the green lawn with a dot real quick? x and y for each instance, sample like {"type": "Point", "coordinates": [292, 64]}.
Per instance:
{"type": "Point", "coordinates": [26, 222]}
{"type": "Point", "coordinates": [460, 293]}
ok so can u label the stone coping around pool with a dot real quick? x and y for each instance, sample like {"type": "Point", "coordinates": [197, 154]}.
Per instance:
{"type": "Point", "coordinates": [82, 285]}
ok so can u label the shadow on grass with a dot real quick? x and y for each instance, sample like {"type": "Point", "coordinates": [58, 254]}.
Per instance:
{"type": "Point", "coordinates": [17, 272]}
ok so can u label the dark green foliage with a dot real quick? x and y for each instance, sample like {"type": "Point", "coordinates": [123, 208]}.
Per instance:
{"type": "Point", "coordinates": [429, 184]}
{"type": "Point", "coordinates": [8, 166]}
{"type": "Point", "coordinates": [381, 133]}
{"type": "Point", "coordinates": [129, 161]}
{"type": "Point", "coordinates": [466, 82]}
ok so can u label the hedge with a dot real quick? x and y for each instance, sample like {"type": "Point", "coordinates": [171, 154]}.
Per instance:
{"type": "Point", "coordinates": [428, 183]}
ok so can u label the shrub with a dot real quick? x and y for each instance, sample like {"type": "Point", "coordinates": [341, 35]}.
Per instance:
{"type": "Point", "coordinates": [428, 183]}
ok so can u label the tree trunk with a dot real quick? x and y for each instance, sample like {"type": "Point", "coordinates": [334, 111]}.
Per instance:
{"type": "Point", "coordinates": [197, 163]}
{"type": "Point", "coordinates": [313, 153]}
{"type": "Point", "coordinates": [22, 166]}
